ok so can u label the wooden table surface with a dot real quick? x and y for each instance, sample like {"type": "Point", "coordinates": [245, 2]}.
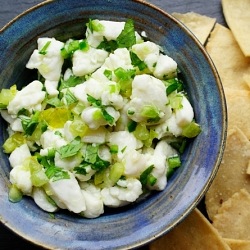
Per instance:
{"type": "Point", "coordinates": [11, 8]}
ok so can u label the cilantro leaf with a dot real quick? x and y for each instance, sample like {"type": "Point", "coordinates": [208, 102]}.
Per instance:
{"type": "Point", "coordinates": [91, 156]}
{"type": "Point", "coordinates": [100, 164]}
{"type": "Point", "coordinates": [137, 62]}
{"type": "Point", "coordinates": [98, 103]}
{"type": "Point", "coordinates": [55, 173]}
{"type": "Point", "coordinates": [71, 149]}
{"type": "Point", "coordinates": [179, 144]}
{"type": "Point", "coordinates": [81, 169]}
{"type": "Point", "coordinates": [91, 153]}
{"type": "Point", "coordinates": [127, 37]}
{"type": "Point", "coordinates": [70, 98]}
{"type": "Point", "coordinates": [174, 84]}
{"type": "Point", "coordinates": [29, 124]}
{"type": "Point", "coordinates": [71, 82]}
{"type": "Point", "coordinates": [54, 101]}
{"type": "Point", "coordinates": [52, 172]}
{"type": "Point", "coordinates": [109, 46]}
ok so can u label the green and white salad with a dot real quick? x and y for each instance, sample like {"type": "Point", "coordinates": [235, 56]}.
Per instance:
{"type": "Point", "coordinates": [106, 121]}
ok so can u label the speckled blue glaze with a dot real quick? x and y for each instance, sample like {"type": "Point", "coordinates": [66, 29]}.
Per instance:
{"type": "Point", "coordinates": [142, 222]}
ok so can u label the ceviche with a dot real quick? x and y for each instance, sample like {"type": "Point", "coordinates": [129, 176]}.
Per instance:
{"type": "Point", "coordinates": [106, 120]}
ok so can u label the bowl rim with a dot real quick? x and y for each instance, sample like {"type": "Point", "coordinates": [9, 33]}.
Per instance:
{"type": "Point", "coordinates": [223, 102]}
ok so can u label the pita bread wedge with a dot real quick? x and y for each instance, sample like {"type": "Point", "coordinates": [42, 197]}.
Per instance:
{"type": "Point", "coordinates": [238, 244]}
{"type": "Point", "coordinates": [238, 106]}
{"type": "Point", "coordinates": [195, 232]}
{"type": "Point", "coordinates": [232, 174]}
{"type": "Point", "coordinates": [233, 218]}
{"type": "Point", "coordinates": [228, 58]}
{"type": "Point", "coordinates": [200, 25]}
{"type": "Point", "coordinates": [237, 15]}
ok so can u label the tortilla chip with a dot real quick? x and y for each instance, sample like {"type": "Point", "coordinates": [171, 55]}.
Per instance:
{"type": "Point", "coordinates": [238, 244]}
{"type": "Point", "coordinates": [237, 15]}
{"type": "Point", "coordinates": [231, 176]}
{"type": "Point", "coordinates": [246, 79]}
{"type": "Point", "coordinates": [195, 232]}
{"type": "Point", "coordinates": [238, 106]}
{"type": "Point", "coordinates": [199, 25]}
{"type": "Point", "coordinates": [228, 58]}
{"type": "Point", "coordinates": [233, 218]}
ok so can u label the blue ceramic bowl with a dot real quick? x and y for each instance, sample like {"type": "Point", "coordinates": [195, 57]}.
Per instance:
{"type": "Point", "coordinates": [142, 222]}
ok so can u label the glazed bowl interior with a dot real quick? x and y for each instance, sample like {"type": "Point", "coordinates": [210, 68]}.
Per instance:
{"type": "Point", "coordinates": [139, 223]}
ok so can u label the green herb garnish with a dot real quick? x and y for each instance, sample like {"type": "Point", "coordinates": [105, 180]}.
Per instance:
{"type": "Point", "coordinates": [43, 51]}
{"type": "Point", "coordinates": [70, 149]}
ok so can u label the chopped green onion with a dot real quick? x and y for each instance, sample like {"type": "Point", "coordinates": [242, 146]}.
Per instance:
{"type": "Point", "coordinates": [141, 132]}
{"type": "Point", "coordinates": [6, 96]}
{"type": "Point", "coordinates": [95, 102]}
{"type": "Point", "coordinates": [64, 53]}
{"type": "Point", "coordinates": [113, 149]}
{"type": "Point", "coordinates": [15, 195]}
{"type": "Point", "coordinates": [152, 135]}
{"type": "Point", "coordinates": [173, 162]}
{"type": "Point", "coordinates": [124, 75]}
{"type": "Point", "coordinates": [109, 118]}
{"type": "Point", "coordinates": [73, 46]}
{"type": "Point", "coordinates": [116, 171]}
{"type": "Point", "coordinates": [151, 180]}
{"type": "Point", "coordinates": [191, 130]}
{"type": "Point", "coordinates": [83, 45]}
{"type": "Point", "coordinates": [123, 150]}
{"type": "Point", "coordinates": [95, 25]}
{"type": "Point", "coordinates": [179, 144]}
{"type": "Point", "coordinates": [151, 112]}
{"type": "Point", "coordinates": [146, 177]}
{"type": "Point", "coordinates": [125, 78]}
{"type": "Point", "coordinates": [43, 51]}
{"type": "Point", "coordinates": [131, 126]}
{"type": "Point", "coordinates": [108, 74]}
